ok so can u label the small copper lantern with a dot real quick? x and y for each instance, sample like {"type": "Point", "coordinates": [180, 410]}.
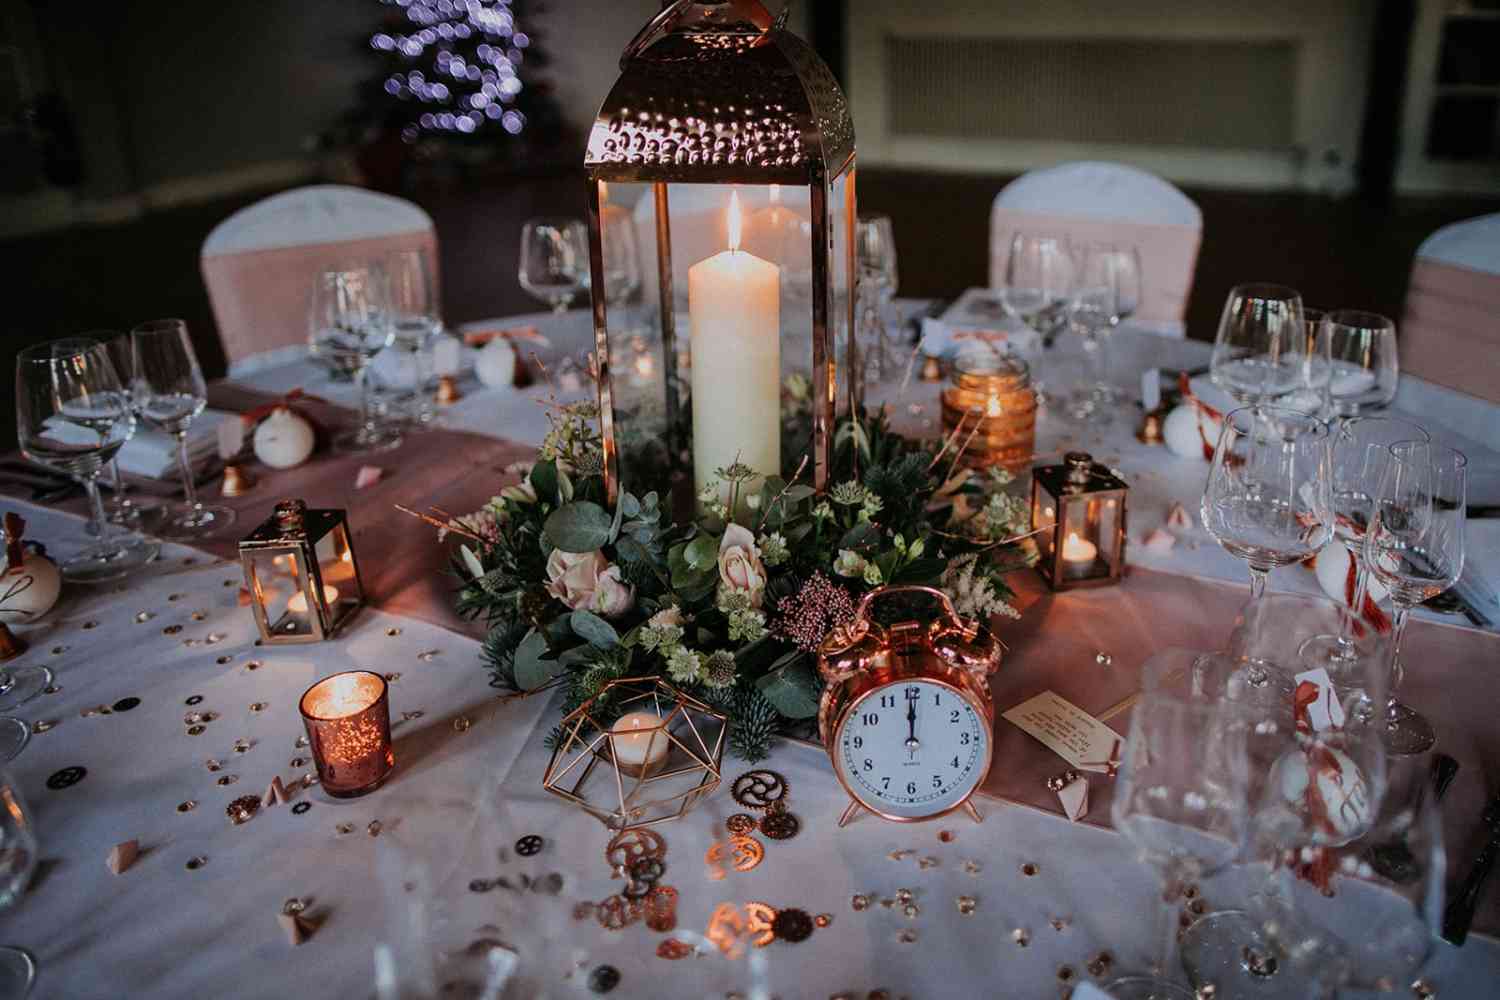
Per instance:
{"type": "Point", "coordinates": [737, 138]}
{"type": "Point", "coordinates": [301, 573]}
{"type": "Point", "coordinates": [1078, 514]}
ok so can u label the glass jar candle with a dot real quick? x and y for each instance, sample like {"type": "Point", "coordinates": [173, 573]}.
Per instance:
{"type": "Point", "coordinates": [348, 720]}
{"type": "Point", "coordinates": [993, 390]}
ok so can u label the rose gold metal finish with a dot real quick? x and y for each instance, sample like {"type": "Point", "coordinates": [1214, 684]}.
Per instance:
{"type": "Point", "coordinates": [667, 308]}
{"type": "Point", "coordinates": [447, 391]}
{"type": "Point", "coordinates": [11, 645]}
{"type": "Point", "coordinates": [237, 481]}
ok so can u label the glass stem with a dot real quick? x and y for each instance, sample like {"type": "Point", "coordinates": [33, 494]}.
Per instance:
{"type": "Point", "coordinates": [1166, 941]}
{"type": "Point", "coordinates": [96, 508]}
{"type": "Point", "coordinates": [1398, 632]}
{"type": "Point", "coordinates": [362, 386]}
{"type": "Point", "coordinates": [117, 482]}
{"type": "Point", "coordinates": [1258, 577]}
{"type": "Point", "coordinates": [189, 488]}
{"type": "Point", "coordinates": [1361, 586]}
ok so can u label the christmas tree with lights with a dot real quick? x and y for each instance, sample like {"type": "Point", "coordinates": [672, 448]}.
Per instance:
{"type": "Point", "coordinates": [460, 75]}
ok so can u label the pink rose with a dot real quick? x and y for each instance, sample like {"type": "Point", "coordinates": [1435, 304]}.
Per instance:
{"type": "Point", "coordinates": [740, 568]}
{"type": "Point", "coordinates": [612, 596]}
{"type": "Point", "coordinates": [572, 577]}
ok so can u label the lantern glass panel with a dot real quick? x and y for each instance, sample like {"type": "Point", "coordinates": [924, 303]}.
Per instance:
{"type": "Point", "coordinates": [301, 572]}
{"type": "Point", "coordinates": [279, 586]}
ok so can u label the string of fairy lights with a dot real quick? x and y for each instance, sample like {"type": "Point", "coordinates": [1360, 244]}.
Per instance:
{"type": "Point", "coordinates": [460, 61]}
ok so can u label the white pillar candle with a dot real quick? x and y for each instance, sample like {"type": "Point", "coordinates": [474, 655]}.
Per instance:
{"type": "Point", "coordinates": [640, 742]}
{"type": "Point", "coordinates": [298, 603]}
{"type": "Point", "coordinates": [1078, 555]}
{"type": "Point", "coordinates": [734, 304]}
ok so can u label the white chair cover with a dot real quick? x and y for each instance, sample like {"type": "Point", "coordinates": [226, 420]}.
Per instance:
{"type": "Point", "coordinates": [1108, 203]}
{"type": "Point", "coordinates": [259, 263]}
{"type": "Point", "coordinates": [1451, 331]}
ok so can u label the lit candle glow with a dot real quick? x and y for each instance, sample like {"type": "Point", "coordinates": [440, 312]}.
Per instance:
{"type": "Point", "coordinates": [298, 604]}
{"type": "Point", "coordinates": [348, 723]}
{"type": "Point", "coordinates": [1078, 554]}
{"type": "Point", "coordinates": [640, 743]}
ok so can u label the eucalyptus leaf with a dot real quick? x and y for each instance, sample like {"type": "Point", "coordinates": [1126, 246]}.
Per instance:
{"type": "Point", "coordinates": [593, 629]}
{"type": "Point", "coordinates": [630, 505]}
{"type": "Point", "coordinates": [531, 668]}
{"type": "Point", "coordinates": [792, 690]}
{"type": "Point", "coordinates": [581, 526]}
{"type": "Point", "coordinates": [619, 518]}
{"type": "Point", "coordinates": [702, 552]}
{"type": "Point", "coordinates": [544, 481]}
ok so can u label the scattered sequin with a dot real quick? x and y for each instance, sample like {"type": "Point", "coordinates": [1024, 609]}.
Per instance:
{"type": "Point", "coordinates": [257, 706]}
{"type": "Point", "coordinates": [344, 829]}
{"type": "Point", "coordinates": [911, 910]}
{"type": "Point", "coordinates": [213, 765]}
{"type": "Point", "coordinates": [529, 845]}
{"type": "Point", "coordinates": [412, 715]}
{"type": "Point", "coordinates": [1103, 659]}
{"type": "Point", "coordinates": [187, 807]}
{"type": "Point", "coordinates": [1423, 990]}
{"type": "Point", "coordinates": [90, 624]}
{"type": "Point", "coordinates": [1029, 870]}
{"type": "Point", "coordinates": [126, 704]}
{"type": "Point", "coordinates": [823, 919]}
{"type": "Point", "coordinates": [900, 855]}
{"type": "Point", "coordinates": [52, 689]}
{"type": "Point", "coordinates": [393, 677]}
{"type": "Point", "coordinates": [193, 699]}
{"type": "Point", "coordinates": [967, 905]}
{"type": "Point", "coordinates": [907, 935]}
{"type": "Point", "coordinates": [461, 724]}
{"type": "Point", "coordinates": [171, 630]}
{"type": "Point", "coordinates": [214, 638]}
{"type": "Point", "coordinates": [243, 746]}
{"type": "Point", "coordinates": [66, 777]}
{"type": "Point", "coordinates": [252, 665]}
{"type": "Point", "coordinates": [1065, 973]}
{"type": "Point", "coordinates": [59, 650]}
{"type": "Point", "coordinates": [373, 828]}
{"type": "Point", "coordinates": [293, 906]}
{"type": "Point", "coordinates": [393, 631]}
{"type": "Point", "coordinates": [947, 836]}
{"type": "Point", "coordinates": [904, 895]}
{"type": "Point", "coordinates": [428, 655]}
{"type": "Point", "coordinates": [1061, 924]}
{"type": "Point", "coordinates": [972, 867]}
{"type": "Point", "coordinates": [242, 808]}
{"type": "Point", "coordinates": [144, 616]}
{"type": "Point", "coordinates": [228, 779]}
{"type": "Point", "coordinates": [41, 726]}
{"type": "Point", "coordinates": [604, 978]}
{"type": "Point", "coordinates": [300, 742]}
{"type": "Point", "coordinates": [230, 583]}
{"type": "Point", "coordinates": [481, 885]}
{"type": "Point", "coordinates": [196, 730]}
{"type": "Point", "coordinates": [175, 597]}
{"type": "Point", "coordinates": [301, 807]}
{"type": "Point", "coordinates": [89, 713]}
{"type": "Point", "coordinates": [190, 643]}
{"type": "Point", "coordinates": [928, 862]}
{"type": "Point", "coordinates": [1021, 936]}
{"type": "Point", "coordinates": [1100, 963]}
{"type": "Point", "coordinates": [198, 616]}
{"type": "Point", "coordinates": [297, 762]}
{"type": "Point", "coordinates": [221, 660]}
{"type": "Point", "coordinates": [195, 862]}
{"type": "Point", "coordinates": [859, 901]}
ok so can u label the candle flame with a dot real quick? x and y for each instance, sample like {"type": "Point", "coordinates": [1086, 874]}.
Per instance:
{"type": "Point", "coordinates": [733, 219]}
{"type": "Point", "coordinates": [992, 407]}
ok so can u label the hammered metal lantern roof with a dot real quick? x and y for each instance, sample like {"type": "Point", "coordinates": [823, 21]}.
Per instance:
{"type": "Point", "coordinates": [716, 91]}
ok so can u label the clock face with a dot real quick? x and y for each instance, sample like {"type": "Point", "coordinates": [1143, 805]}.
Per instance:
{"type": "Point", "coordinates": [912, 749]}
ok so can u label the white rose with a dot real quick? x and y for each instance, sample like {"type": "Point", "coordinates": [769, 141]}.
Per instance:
{"type": "Point", "coordinates": [572, 577]}
{"type": "Point", "coordinates": [612, 596]}
{"type": "Point", "coordinates": [740, 568]}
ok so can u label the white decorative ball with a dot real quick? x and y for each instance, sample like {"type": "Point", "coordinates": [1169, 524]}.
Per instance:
{"type": "Point", "coordinates": [284, 439]}
{"type": "Point", "coordinates": [1332, 568]}
{"type": "Point", "coordinates": [495, 365]}
{"type": "Point", "coordinates": [1340, 811]}
{"type": "Point", "coordinates": [1186, 429]}
{"type": "Point", "coordinates": [28, 591]}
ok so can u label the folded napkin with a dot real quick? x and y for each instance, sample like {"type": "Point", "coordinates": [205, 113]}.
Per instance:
{"type": "Point", "coordinates": [152, 454]}
{"type": "Point", "coordinates": [942, 339]}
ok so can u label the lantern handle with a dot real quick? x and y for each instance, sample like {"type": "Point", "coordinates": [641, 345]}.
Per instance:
{"type": "Point", "coordinates": [907, 588]}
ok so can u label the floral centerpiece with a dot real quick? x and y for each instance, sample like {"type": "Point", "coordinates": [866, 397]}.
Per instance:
{"type": "Point", "coordinates": [732, 604]}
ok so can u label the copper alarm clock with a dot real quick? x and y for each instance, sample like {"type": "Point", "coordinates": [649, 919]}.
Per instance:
{"type": "Point", "coordinates": [906, 713]}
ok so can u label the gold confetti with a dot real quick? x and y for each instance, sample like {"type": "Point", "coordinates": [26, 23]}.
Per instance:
{"type": "Point", "coordinates": [461, 724]}
{"type": "Point", "coordinates": [927, 862]}
{"type": "Point", "coordinates": [1061, 924]}
{"type": "Point", "coordinates": [196, 862]}
{"type": "Point", "coordinates": [221, 660]}
{"type": "Point", "coordinates": [907, 935]}
{"type": "Point", "coordinates": [344, 828]}
{"type": "Point", "coordinates": [947, 836]}
{"type": "Point", "coordinates": [144, 616]}
{"type": "Point", "coordinates": [1029, 870]}
{"type": "Point", "coordinates": [392, 677]}
{"type": "Point", "coordinates": [823, 919]}
{"type": "Point", "coordinates": [967, 905]}
{"type": "Point", "coordinates": [1021, 936]}
{"type": "Point", "coordinates": [972, 867]}
{"type": "Point", "coordinates": [859, 901]}
{"type": "Point", "coordinates": [257, 706]}
{"type": "Point", "coordinates": [373, 829]}
{"type": "Point", "coordinates": [393, 631]}
{"type": "Point", "coordinates": [171, 630]}
{"type": "Point", "coordinates": [41, 726]}
{"type": "Point", "coordinates": [187, 807]}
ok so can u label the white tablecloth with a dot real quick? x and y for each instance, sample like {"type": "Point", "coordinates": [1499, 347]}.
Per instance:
{"type": "Point", "coordinates": [457, 798]}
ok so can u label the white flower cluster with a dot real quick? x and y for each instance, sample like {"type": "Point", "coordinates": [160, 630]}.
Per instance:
{"type": "Point", "coordinates": [972, 594]}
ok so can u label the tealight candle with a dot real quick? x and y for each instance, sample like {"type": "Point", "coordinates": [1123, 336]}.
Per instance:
{"type": "Point", "coordinates": [348, 722]}
{"type": "Point", "coordinates": [298, 603]}
{"type": "Point", "coordinates": [640, 743]}
{"type": "Point", "coordinates": [1078, 554]}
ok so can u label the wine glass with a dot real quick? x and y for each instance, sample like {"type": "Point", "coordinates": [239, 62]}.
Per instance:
{"type": "Point", "coordinates": [171, 392]}
{"type": "Point", "coordinates": [1107, 292]}
{"type": "Point", "coordinates": [349, 323]}
{"type": "Point", "coordinates": [123, 509]}
{"type": "Point", "coordinates": [1415, 548]}
{"type": "Point", "coordinates": [1039, 273]}
{"type": "Point", "coordinates": [875, 258]}
{"type": "Point", "coordinates": [415, 319]}
{"type": "Point", "coordinates": [554, 260]}
{"type": "Point", "coordinates": [1268, 499]}
{"type": "Point", "coordinates": [1364, 365]}
{"type": "Point", "coordinates": [1180, 801]}
{"type": "Point", "coordinates": [71, 416]}
{"type": "Point", "coordinates": [1259, 353]}
{"type": "Point", "coordinates": [622, 270]}
{"type": "Point", "coordinates": [1361, 447]}
{"type": "Point", "coordinates": [18, 858]}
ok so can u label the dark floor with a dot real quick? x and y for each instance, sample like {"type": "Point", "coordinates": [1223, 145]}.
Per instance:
{"type": "Point", "coordinates": [1336, 252]}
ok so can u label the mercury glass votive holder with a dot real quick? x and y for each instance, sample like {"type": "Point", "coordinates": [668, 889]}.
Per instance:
{"type": "Point", "coordinates": [348, 720]}
{"type": "Point", "coordinates": [992, 407]}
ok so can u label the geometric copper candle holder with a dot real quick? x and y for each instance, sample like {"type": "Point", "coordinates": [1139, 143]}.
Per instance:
{"type": "Point", "coordinates": [662, 754]}
{"type": "Point", "coordinates": [348, 720]}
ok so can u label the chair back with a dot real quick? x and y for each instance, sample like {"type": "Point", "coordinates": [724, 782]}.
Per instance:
{"type": "Point", "coordinates": [1451, 330]}
{"type": "Point", "coordinates": [259, 264]}
{"type": "Point", "coordinates": [1107, 203]}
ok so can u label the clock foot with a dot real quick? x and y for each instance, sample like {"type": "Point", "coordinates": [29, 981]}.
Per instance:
{"type": "Point", "coordinates": [973, 811]}
{"type": "Point", "coordinates": [849, 813]}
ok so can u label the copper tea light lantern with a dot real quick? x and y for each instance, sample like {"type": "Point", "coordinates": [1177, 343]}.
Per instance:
{"type": "Point", "coordinates": [991, 407]}
{"type": "Point", "coordinates": [726, 124]}
{"type": "Point", "coordinates": [1078, 514]}
{"type": "Point", "coordinates": [639, 753]}
{"type": "Point", "coordinates": [348, 720]}
{"type": "Point", "coordinates": [302, 574]}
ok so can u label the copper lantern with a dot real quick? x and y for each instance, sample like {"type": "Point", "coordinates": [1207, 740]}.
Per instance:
{"type": "Point", "coordinates": [734, 144]}
{"type": "Point", "coordinates": [1078, 514]}
{"type": "Point", "coordinates": [301, 573]}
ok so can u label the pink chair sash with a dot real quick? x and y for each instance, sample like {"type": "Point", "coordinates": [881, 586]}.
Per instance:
{"type": "Point", "coordinates": [1169, 253]}
{"type": "Point", "coordinates": [260, 298]}
{"type": "Point", "coordinates": [1451, 333]}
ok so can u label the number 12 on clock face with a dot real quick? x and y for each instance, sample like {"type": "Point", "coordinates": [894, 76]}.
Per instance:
{"type": "Point", "coordinates": [913, 749]}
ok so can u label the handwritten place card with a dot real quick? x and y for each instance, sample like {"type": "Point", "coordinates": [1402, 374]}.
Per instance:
{"type": "Point", "coordinates": [1068, 731]}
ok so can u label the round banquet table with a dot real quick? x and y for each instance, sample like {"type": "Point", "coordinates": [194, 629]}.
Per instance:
{"type": "Point", "coordinates": [396, 870]}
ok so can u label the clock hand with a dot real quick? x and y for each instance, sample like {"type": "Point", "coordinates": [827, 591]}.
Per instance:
{"type": "Point", "coordinates": [912, 743]}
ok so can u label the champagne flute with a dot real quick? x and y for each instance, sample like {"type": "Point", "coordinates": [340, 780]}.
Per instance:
{"type": "Point", "coordinates": [1361, 448]}
{"type": "Point", "coordinates": [554, 260]}
{"type": "Point", "coordinates": [350, 323]}
{"type": "Point", "coordinates": [171, 393]}
{"type": "Point", "coordinates": [1180, 799]}
{"type": "Point", "coordinates": [1268, 499]}
{"type": "Point", "coordinates": [72, 416]}
{"type": "Point", "coordinates": [1108, 291]}
{"type": "Point", "coordinates": [1259, 351]}
{"type": "Point", "coordinates": [1415, 548]}
{"type": "Point", "coordinates": [415, 320]}
{"type": "Point", "coordinates": [1364, 364]}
